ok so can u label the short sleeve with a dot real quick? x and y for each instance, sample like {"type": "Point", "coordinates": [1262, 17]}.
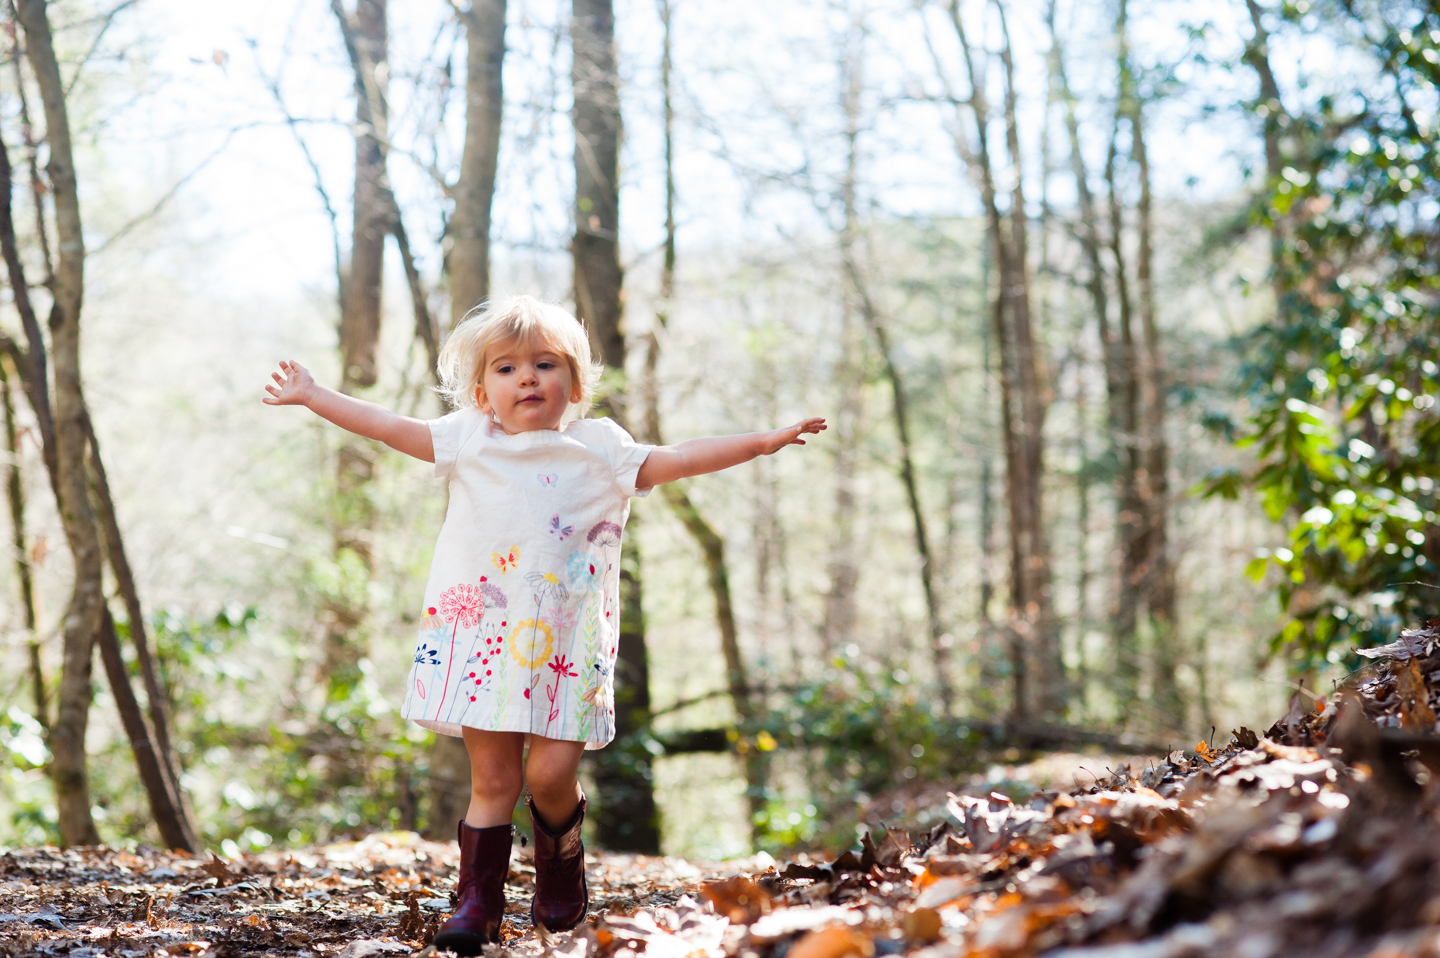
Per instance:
{"type": "Point", "coordinates": [447, 435]}
{"type": "Point", "coordinates": [625, 454]}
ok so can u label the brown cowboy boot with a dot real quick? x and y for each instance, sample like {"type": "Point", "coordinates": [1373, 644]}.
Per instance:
{"type": "Point", "coordinates": [484, 863]}
{"type": "Point", "coordinates": [561, 894]}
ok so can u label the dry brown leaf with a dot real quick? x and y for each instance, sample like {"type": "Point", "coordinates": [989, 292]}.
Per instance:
{"type": "Point", "coordinates": [1416, 715]}
{"type": "Point", "coordinates": [945, 891]}
{"type": "Point", "coordinates": [218, 870]}
{"type": "Point", "coordinates": [921, 925]}
{"type": "Point", "coordinates": [739, 898]}
{"type": "Point", "coordinates": [833, 943]}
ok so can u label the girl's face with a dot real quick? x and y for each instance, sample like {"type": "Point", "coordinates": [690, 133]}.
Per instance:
{"type": "Point", "coordinates": [527, 385]}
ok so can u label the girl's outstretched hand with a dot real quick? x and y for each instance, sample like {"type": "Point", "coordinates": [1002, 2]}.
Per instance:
{"type": "Point", "coordinates": [790, 435]}
{"type": "Point", "coordinates": [291, 389]}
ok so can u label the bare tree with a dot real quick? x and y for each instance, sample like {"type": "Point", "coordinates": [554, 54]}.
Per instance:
{"type": "Point", "coordinates": [853, 76]}
{"type": "Point", "coordinates": [72, 459]}
{"type": "Point", "coordinates": [1130, 520]}
{"type": "Point", "coordinates": [468, 259]}
{"type": "Point", "coordinates": [627, 819]}
{"type": "Point", "coordinates": [843, 566]}
{"type": "Point", "coordinates": [1153, 478]}
{"type": "Point", "coordinates": [82, 617]}
{"type": "Point", "coordinates": [15, 495]}
{"type": "Point", "coordinates": [467, 264]}
{"type": "Point", "coordinates": [365, 33]}
{"type": "Point", "coordinates": [744, 697]}
{"type": "Point", "coordinates": [1023, 394]}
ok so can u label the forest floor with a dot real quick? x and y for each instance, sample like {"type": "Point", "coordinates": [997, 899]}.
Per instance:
{"type": "Point", "coordinates": [1320, 837]}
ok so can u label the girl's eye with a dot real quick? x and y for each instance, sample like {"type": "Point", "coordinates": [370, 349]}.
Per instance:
{"type": "Point", "coordinates": [506, 369]}
{"type": "Point", "coordinates": [546, 364]}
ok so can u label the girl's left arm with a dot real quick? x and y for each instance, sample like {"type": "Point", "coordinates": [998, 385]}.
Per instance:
{"type": "Point", "coordinates": [696, 457]}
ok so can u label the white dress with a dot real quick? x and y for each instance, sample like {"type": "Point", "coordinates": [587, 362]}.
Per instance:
{"type": "Point", "coordinates": [521, 619]}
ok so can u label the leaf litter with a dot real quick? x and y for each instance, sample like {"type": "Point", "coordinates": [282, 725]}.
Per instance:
{"type": "Point", "coordinates": [1320, 837]}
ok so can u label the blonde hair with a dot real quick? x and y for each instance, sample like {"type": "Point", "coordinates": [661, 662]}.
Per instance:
{"type": "Point", "coordinates": [521, 318]}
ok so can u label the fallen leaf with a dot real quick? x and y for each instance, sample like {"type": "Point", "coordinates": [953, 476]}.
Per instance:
{"type": "Point", "coordinates": [921, 926]}
{"type": "Point", "coordinates": [739, 899]}
{"type": "Point", "coordinates": [833, 943]}
{"type": "Point", "coordinates": [371, 946]}
{"type": "Point", "coordinates": [1416, 715]}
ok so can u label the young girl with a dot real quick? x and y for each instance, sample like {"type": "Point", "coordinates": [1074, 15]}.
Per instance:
{"type": "Point", "coordinates": [521, 618]}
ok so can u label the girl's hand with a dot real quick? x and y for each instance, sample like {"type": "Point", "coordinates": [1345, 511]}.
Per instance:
{"type": "Point", "coordinates": [775, 441]}
{"type": "Point", "coordinates": [295, 387]}
{"type": "Point", "coordinates": [298, 388]}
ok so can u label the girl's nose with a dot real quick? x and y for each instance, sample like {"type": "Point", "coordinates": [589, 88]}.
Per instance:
{"type": "Point", "coordinates": [528, 376]}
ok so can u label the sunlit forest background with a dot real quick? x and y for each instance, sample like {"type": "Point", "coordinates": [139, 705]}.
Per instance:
{"type": "Point", "coordinates": [1123, 316]}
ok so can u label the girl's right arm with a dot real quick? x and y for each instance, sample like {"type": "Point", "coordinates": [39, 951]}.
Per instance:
{"type": "Point", "coordinates": [298, 388]}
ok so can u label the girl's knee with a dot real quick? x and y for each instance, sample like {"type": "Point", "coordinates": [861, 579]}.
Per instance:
{"type": "Point", "coordinates": [495, 762]}
{"type": "Point", "coordinates": [547, 780]}
{"type": "Point", "coordinates": [495, 777]}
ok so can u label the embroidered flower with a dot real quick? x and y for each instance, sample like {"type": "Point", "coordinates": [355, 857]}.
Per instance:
{"type": "Point", "coordinates": [599, 696]}
{"type": "Point", "coordinates": [604, 534]}
{"type": "Point", "coordinates": [462, 603]}
{"type": "Point", "coordinates": [494, 598]}
{"type": "Point", "coordinates": [560, 666]}
{"type": "Point", "coordinates": [565, 617]}
{"type": "Point", "coordinates": [527, 638]}
{"type": "Point", "coordinates": [583, 571]}
{"type": "Point", "coordinates": [547, 586]}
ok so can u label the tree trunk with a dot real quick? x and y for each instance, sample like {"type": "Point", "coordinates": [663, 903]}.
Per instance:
{"type": "Point", "coordinates": [15, 494]}
{"type": "Point", "coordinates": [366, 30]}
{"type": "Point", "coordinates": [842, 567]}
{"type": "Point", "coordinates": [991, 678]}
{"type": "Point", "coordinates": [1129, 519]}
{"type": "Point", "coordinates": [170, 817]}
{"type": "Point", "coordinates": [33, 365]}
{"type": "Point", "coordinates": [468, 258]}
{"type": "Point", "coordinates": [1257, 54]}
{"type": "Point", "coordinates": [1160, 591]}
{"type": "Point", "coordinates": [168, 801]}
{"type": "Point", "coordinates": [596, 118]}
{"type": "Point", "coordinates": [158, 768]}
{"type": "Point", "coordinates": [365, 34]}
{"type": "Point", "coordinates": [1038, 615]}
{"type": "Point", "coordinates": [744, 698]}
{"type": "Point", "coordinates": [83, 616]}
{"type": "Point", "coordinates": [627, 819]}
{"type": "Point", "coordinates": [853, 69]}
{"type": "Point", "coordinates": [467, 264]}
{"type": "Point", "coordinates": [1033, 632]}
{"type": "Point", "coordinates": [1120, 391]}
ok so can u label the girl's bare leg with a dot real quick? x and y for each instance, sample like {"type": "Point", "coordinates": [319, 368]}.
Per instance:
{"type": "Point", "coordinates": [551, 774]}
{"type": "Point", "coordinates": [496, 775]}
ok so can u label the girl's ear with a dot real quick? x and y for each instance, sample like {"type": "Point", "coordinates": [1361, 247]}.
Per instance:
{"type": "Point", "coordinates": [480, 401]}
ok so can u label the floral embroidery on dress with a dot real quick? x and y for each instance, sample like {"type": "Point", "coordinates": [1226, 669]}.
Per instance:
{"type": "Point", "coordinates": [583, 571]}
{"type": "Point", "coordinates": [463, 605]}
{"type": "Point", "coordinates": [531, 652]}
{"type": "Point", "coordinates": [562, 669]}
{"type": "Point", "coordinates": [524, 639]}
{"type": "Point", "coordinates": [604, 534]}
